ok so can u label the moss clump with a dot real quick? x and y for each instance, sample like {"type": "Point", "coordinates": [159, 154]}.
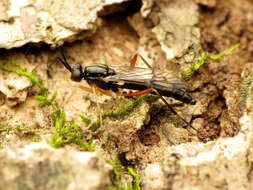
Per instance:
{"type": "Point", "coordinates": [123, 110]}
{"type": "Point", "coordinates": [26, 131]}
{"type": "Point", "coordinates": [118, 169]}
{"type": "Point", "coordinates": [22, 131]}
{"type": "Point", "coordinates": [63, 134]}
{"type": "Point", "coordinates": [186, 73]}
{"type": "Point", "coordinates": [43, 99]}
{"type": "Point", "coordinates": [66, 134]}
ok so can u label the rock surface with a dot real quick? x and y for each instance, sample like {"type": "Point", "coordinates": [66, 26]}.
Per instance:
{"type": "Point", "coordinates": [52, 22]}
{"type": "Point", "coordinates": [176, 31]}
{"type": "Point", "coordinates": [39, 166]}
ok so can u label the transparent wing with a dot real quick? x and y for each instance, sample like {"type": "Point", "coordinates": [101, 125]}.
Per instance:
{"type": "Point", "coordinates": [144, 76]}
{"type": "Point", "coordinates": [136, 75]}
{"type": "Point", "coordinates": [167, 79]}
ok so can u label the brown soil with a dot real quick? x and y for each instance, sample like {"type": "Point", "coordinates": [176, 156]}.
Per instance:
{"type": "Point", "coordinates": [224, 25]}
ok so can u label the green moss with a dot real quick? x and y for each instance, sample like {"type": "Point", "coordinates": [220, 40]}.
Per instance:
{"type": "Point", "coordinates": [23, 131]}
{"type": "Point", "coordinates": [43, 99]}
{"type": "Point", "coordinates": [4, 128]}
{"type": "Point", "coordinates": [26, 130]}
{"type": "Point", "coordinates": [186, 73]}
{"type": "Point", "coordinates": [63, 134]}
{"type": "Point", "coordinates": [123, 110]}
{"type": "Point", "coordinates": [66, 134]}
{"type": "Point", "coordinates": [36, 139]}
{"type": "Point", "coordinates": [21, 71]}
{"type": "Point", "coordinates": [118, 169]}
{"type": "Point", "coordinates": [137, 183]}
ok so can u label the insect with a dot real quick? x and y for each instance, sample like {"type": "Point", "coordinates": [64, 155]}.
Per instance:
{"type": "Point", "coordinates": [145, 80]}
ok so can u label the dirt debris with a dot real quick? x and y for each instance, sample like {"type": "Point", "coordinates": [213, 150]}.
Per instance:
{"type": "Point", "coordinates": [222, 26]}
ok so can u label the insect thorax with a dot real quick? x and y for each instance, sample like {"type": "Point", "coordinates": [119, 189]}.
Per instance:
{"type": "Point", "coordinates": [97, 71]}
{"type": "Point", "coordinates": [94, 74]}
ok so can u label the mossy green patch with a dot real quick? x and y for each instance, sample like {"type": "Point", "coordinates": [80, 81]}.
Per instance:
{"type": "Point", "coordinates": [123, 110]}
{"type": "Point", "coordinates": [22, 131]}
{"type": "Point", "coordinates": [26, 130]}
{"type": "Point", "coordinates": [186, 73]}
{"type": "Point", "coordinates": [66, 134]}
{"type": "Point", "coordinates": [21, 71]}
{"type": "Point", "coordinates": [118, 169]}
{"type": "Point", "coordinates": [63, 134]}
{"type": "Point", "coordinates": [35, 139]}
{"type": "Point", "coordinates": [43, 99]}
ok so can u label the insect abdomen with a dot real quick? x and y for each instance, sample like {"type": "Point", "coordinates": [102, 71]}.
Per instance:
{"type": "Point", "coordinates": [174, 92]}
{"type": "Point", "coordinates": [178, 95]}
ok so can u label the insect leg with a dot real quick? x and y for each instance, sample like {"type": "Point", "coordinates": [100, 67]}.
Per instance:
{"type": "Point", "coordinates": [105, 92]}
{"type": "Point", "coordinates": [140, 92]}
{"type": "Point", "coordinates": [133, 61]}
{"type": "Point", "coordinates": [172, 110]}
{"type": "Point", "coordinates": [86, 89]}
{"type": "Point", "coordinates": [98, 106]}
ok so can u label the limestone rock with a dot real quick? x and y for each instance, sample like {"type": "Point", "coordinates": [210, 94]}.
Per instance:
{"type": "Point", "coordinates": [175, 30]}
{"type": "Point", "coordinates": [39, 166]}
{"type": "Point", "coordinates": [51, 22]}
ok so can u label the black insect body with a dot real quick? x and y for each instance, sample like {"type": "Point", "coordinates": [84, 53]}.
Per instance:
{"type": "Point", "coordinates": [94, 74]}
{"type": "Point", "coordinates": [134, 78]}
{"type": "Point", "coordinates": [145, 80]}
{"type": "Point", "coordinates": [139, 78]}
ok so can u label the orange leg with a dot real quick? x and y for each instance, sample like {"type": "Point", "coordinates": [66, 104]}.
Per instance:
{"type": "Point", "coordinates": [133, 61]}
{"type": "Point", "coordinates": [140, 92]}
{"type": "Point", "coordinates": [85, 88]}
{"type": "Point", "coordinates": [105, 92]}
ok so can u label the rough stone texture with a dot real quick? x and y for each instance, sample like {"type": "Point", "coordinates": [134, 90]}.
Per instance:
{"type": "Point", "coordinates": [146, 7]}
{"type": "Point", "coordinates": [51, 22]}
{"type": "Point", "coordinates": [223, 164]}
{"type": "Point", "coordinates": [173, 30]}
{"type": "Point", "coordinates": [176, 30]}
{"type": "Point", "coordinates": [124, 133]}
{"type": "Point", "coordinates": [39, 166]}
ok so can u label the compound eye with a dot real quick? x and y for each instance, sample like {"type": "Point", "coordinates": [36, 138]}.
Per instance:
{"type": "Point", "coordinates": [77, 73]}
